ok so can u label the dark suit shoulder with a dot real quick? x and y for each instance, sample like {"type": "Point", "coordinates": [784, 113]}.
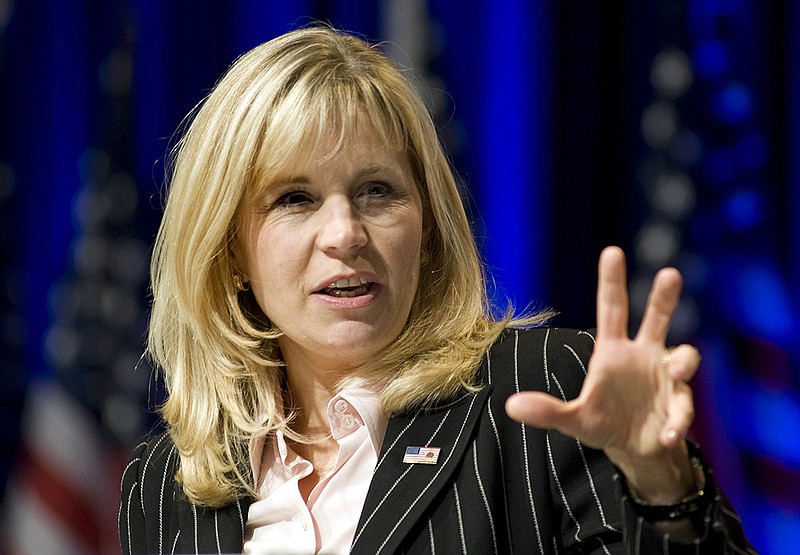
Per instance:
{"type": "Point", "coordinates": [147, 496]}
{"type": "Point", "coordinates": [156, 517]}
{"type": "Point", "coordinates": [157, 466]}
{"type": "Point", "coordinates": [553, 360]}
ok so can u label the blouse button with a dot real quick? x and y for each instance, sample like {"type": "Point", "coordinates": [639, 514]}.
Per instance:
{"type": "Point", "coordinates": [348, 422]}
{"type": "Point", "coordinates": [340, 406]}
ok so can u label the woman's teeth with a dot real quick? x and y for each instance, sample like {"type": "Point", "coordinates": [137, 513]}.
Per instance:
{"type": "Point", "coordinates": [348, 287]}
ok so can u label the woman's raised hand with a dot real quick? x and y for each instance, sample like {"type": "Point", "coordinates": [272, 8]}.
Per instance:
{"type": "Point", "coordinates": [635, 403]}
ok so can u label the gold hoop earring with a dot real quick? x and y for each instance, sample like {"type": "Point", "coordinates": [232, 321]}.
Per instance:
{"type": "Point", "coordinates": [239, 284]}
{"type": "Point", "coordinates": [424, 258]}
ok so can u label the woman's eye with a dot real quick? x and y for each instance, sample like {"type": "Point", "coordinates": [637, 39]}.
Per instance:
{"type": "Point", "coordinates": [378, 189]}
{"type": "Point", "coordinates": [293, 198]}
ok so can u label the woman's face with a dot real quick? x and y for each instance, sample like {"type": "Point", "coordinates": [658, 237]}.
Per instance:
{"type": "Point", "coordinates": [332, 252]}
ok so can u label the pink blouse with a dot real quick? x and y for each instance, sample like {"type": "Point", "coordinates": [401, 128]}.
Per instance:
{"type": "Point", "coordinates": [280, 521]}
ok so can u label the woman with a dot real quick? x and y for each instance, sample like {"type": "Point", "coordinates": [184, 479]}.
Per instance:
{"type": "Point", "coordinates": [335, 382]}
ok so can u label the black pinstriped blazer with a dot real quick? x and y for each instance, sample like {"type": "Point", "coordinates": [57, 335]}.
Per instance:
{"type": "Point", "coordinates": [498, 487]}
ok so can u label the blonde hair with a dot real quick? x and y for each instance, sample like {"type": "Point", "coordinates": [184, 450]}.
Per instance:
{"type": "Point", "coordinates": [218, 353]}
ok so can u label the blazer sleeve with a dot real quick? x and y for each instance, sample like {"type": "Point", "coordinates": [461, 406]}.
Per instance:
{"type": "Point", "coordinates": [147, 497]}
{"type": "Point", "coordinates": [722, 530]}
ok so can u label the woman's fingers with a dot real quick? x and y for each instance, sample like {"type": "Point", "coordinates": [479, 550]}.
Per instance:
{"type": "Point", "coordinates": [541, 410]}
{"type": "Point", "coordinates": [661, 305]}
{"type": "Point", "coordinates": [684, 361]}
{"type": "Point", "coordinates": [620, 406]}
{"type": "Point", "coordinates": [612, 295]}
{"type": "Point", "coordinates": [681, 364]}
{"type": "Point", "coordinates": [680, 415]}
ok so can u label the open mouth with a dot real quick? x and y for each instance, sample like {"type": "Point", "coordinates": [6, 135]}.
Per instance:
{"type": "Point", "coordinates": [347, 287]}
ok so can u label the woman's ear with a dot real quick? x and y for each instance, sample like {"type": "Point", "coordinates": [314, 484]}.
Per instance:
{"type": "Point", "coordinates": [236, 257]}
{"type": "Point", "coordinates": [427, 225]}
{"type": "Point", "coordinates": [427, 230]}
{"type": "Point", "coordinates": [239, 277]}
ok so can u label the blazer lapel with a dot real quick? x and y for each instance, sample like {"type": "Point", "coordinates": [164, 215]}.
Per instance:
{"type": "Point", "coordinates": [400, 492]}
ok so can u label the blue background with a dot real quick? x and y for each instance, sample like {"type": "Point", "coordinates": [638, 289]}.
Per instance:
{"type": "Point", "coordinates": [669, 128]}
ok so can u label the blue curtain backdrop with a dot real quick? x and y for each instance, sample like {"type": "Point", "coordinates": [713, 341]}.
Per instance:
{"type": "Point", "coordinates": [671, 128]}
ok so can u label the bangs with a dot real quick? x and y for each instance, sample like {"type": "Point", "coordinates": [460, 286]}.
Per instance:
{"type": "Point", "coordinates": [323, 114]}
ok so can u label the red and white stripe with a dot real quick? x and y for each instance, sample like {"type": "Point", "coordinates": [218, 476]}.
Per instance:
{"type": "Point", "coordinates": [63, 496]}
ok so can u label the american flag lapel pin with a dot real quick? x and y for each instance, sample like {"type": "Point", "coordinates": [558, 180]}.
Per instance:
{"type": "Point", "coordinates": [421, 455]}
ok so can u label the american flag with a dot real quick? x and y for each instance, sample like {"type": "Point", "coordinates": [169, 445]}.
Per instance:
{"type": "Point", "coordinates": [421, 455]}
{"type": "Point", "coordinates": [86, 383]}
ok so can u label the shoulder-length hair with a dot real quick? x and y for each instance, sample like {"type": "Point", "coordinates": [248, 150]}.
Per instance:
{"type": "Point", "coordinates": [218, 353]}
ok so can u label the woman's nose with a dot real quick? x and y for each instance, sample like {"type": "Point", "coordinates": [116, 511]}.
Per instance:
{"type": "Point", "coordinates": [342, 230]}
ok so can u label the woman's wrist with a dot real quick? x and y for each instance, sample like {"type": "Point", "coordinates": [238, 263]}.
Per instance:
{"type": "Point", "coordinates": [662, 479]}
{"type": "Point", "coordinates": [688, 505]}
{"type": "Point", "coordinates": [673, 490]}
